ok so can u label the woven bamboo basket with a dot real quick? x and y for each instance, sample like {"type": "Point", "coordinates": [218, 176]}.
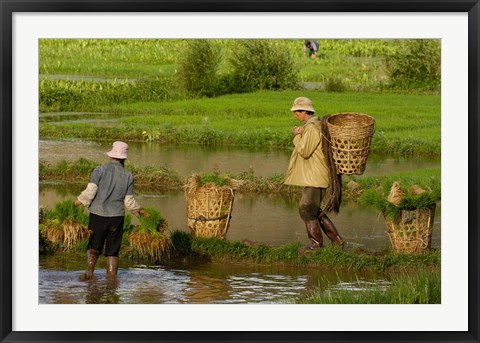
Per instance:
{"type": "Point", "coordinates": [209, 208]}
{"type": "Point", "coordinates": [351, 135]}
{"type": "Point", "coordinates": [411, 232]}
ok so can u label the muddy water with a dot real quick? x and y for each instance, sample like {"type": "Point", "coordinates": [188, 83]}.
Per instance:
{"type": "Point", "coordinates": [263, 219]}
{"type": "Point", "coordinates": [198, 284]}
{"type": "Point", "coordinates": [266, 219]}
{"type": "Point", "coordinates": [187, 159]}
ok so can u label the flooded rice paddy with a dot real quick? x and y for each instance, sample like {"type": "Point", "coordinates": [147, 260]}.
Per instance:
{"type": "Point", "coordinates": [193, 284]}
{"type": "Point", "coordinates": [187, 159]}
{"type": "Point", "coordinates": [263, 218]}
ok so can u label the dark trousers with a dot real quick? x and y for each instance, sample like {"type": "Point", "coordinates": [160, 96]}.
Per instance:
{"type": "Point", "coordinates": [106, 229]}
{"type": "Point", "coordinates": [310, 203]}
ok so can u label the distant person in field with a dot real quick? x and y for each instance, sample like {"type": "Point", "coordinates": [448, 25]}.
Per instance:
{"type": "Point", "coordinates": [310, 46]}
{"type": "Point", "coordinates": [309, 168]}
{"type": "Point", "coordinates": [108, 194]}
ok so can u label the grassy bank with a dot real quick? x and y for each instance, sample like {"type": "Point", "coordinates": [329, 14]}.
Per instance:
{"type": "Point", "coordinates": [354, 259]}
{"type": "Point", "coordinates": [186, 247]}
{"type": "Point", "coordinates": [161, 178]}
{"type": "Point", "coordinates": [421, 288]}
{"type": "Point", "coordinates": [405, 124]}
{"type": "Point", "coordinates": [137, 84]}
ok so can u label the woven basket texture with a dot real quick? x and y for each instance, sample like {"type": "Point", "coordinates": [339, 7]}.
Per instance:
{"type": "Point", "coordinates": [209, 209]}
{"type": "Point", "coordinates": [351, 135]}
{"type": "Point", "coordinates": [411, 232]}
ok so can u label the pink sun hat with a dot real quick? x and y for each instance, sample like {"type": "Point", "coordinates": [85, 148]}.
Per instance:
{"type": "Point", "coordinates": [119, 150]}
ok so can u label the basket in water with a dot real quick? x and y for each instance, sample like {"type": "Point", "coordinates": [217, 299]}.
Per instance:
{"type": "Point", "coordinates": [209, 208]}
{"type": "Point", "coordinates": [351, 135]}
{"type": "Point", "coordinates": [411, 231]}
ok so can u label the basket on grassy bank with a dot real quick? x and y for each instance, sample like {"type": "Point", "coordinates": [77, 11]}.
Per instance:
{"type": "Point", "coordinates": [408, 215]}
{"type": "Point", "coordinates": [209, 204]}
{"type": "Point", "coordinates": [65, 226]}
{"type": "Point", "coordinates": [351, 136]}
{"type": "Point", "coordinates": [149, 239]}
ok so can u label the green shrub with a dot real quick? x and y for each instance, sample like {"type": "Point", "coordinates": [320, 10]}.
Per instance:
{"type": "Point", "coordinates": [335, 84]}
{"type": "Point", "coordinates": [198, 67]}
{"type": "Point", "coordinates": [415, 65]}
{"type": "Point", "coordinates": [262, 64]}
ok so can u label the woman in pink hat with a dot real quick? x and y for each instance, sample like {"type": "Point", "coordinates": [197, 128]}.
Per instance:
{"type": "Point", "coordinates": [108, 194]}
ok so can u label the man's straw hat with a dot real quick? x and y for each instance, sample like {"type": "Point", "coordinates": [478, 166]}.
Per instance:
{"type": "Point", "coordinates": [302, 104]}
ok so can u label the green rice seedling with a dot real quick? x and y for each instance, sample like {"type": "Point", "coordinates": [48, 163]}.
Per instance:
{"type": "Point", "coordinates": [182, 242]}
{"type": "Point", "coordinates": [411, 199]}
{"type": "Point", "coordinates": [155, 177]}
{"type": "Point", "coordinates": [288, 254]}
{"type": "Point", "coordinates": [67, 170]}
{"type": "Point", "coordinates": [79, 172]}
{"type": "Point", "coordinates": [214, 178]}
{"type": "Point", "coordinates": [66, 225]}
{"type": "Point", "coordinates": [423, 287]}
{"type": "Point", "coordinates": [149, 240]}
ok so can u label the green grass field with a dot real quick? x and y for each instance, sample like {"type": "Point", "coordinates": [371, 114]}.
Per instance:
{"type": "Point", "coordinates": [405, 124]}
{"type": "Point", "coordinates": [134, 82]}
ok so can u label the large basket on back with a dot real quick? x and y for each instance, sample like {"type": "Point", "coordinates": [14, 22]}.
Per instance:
{"type": "Point", "coordinates": [411, 231]}
{"type": "Point", "coordinates": [209, 208]}
{"type": "Point", "coordinates": [351, 135]}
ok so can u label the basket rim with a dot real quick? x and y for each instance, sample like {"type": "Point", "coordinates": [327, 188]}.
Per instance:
{"type": "Point", "coordinates": [341, 114]}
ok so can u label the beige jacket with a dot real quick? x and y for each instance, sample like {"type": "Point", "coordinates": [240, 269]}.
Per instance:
{"type": "Point", "coordinates": [308, 167]}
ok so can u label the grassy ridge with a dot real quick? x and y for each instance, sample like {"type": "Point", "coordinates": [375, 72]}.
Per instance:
{"type": "Point", "coordinates": [422, 288]}
{"type": "Point", "coordinates": [405, 124]}
{"type": "Point", "coordinates": [355, 259]}
{"type": "Point", "coordinates": [154, 178]}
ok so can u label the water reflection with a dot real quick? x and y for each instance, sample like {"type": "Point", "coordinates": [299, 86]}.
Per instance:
{"type": "Point", "coordinates": [203, 284]}
{"type": "Point", "coordinates": [187, 159]}
{"type": "Point", "coordinates": [265, 219]}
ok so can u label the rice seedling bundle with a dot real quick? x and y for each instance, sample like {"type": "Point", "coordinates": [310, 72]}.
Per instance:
{"type": "Point", "coordinates": [410, 230]}
{"type": "Point", "coordinates": [65, 226]}
{"type": "Point", "coordinates": [149, 240]}
{"type": "Point", "coordinates": [409, 215]}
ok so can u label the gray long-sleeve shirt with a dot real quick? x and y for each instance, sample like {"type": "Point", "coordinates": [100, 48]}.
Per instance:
{"type": "Point", "coordinates": [110, 190]}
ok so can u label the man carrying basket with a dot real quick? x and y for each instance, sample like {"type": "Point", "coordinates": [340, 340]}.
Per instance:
{"type": "Point", "coordinates": [308, 167]}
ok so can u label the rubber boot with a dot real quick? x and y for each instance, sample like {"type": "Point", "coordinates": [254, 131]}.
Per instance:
{"type": "Point", "coordinates": [331, 231]}
{"type": "Point", "coordinates": [92, 257]}
{"type": "Point", "coordinates": [112, 266]}
{"type": "Point", "coordinates": [314, 234]}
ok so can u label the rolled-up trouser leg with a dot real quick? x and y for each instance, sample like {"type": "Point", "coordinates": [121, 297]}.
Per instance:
{"type": "Point", "coordinates": [309, 210]}
{"type": "Point", "coordinates": [309, 207]}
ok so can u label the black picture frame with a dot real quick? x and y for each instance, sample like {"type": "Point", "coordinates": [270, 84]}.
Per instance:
{"type": "Point", "coordinates": [9, 7]}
